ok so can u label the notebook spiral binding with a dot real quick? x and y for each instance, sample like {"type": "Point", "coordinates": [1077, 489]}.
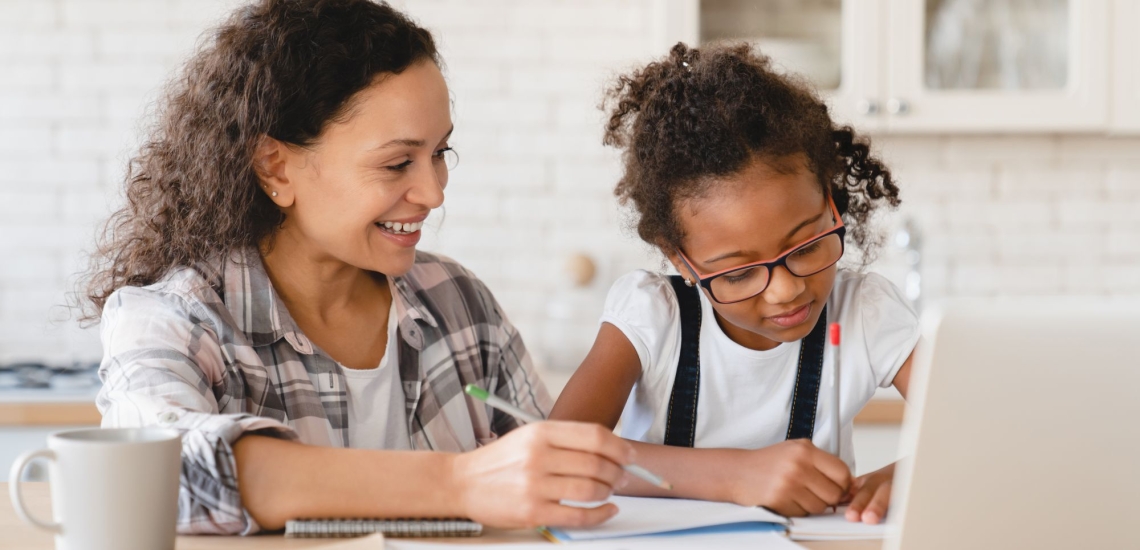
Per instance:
{"type": "Point", "coordinates": [395, 528]}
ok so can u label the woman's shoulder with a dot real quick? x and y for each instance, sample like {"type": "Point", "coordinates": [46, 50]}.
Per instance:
{"type": "Point", "coordinates": [443, 284]}
{"type": "Point", "coordinates": [183, 291]}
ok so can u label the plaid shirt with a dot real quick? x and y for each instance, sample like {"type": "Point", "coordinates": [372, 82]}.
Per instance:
{"type": "Point", "coordinates": [213, 352]}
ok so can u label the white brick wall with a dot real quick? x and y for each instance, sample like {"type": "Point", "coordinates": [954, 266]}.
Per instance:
{"type": "Point", "coordinates": [1001, 215]}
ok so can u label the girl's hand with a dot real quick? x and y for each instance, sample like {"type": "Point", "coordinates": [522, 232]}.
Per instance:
{"type": "Point", "coordinates": [872, 495]}
{"type": "Point", "coordinates": [518, 481]}
{"type": "Point", "coordinates": [792, 478]}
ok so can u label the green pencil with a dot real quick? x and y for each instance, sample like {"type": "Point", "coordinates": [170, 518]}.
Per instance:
{"type": "Point", "coordinates": [496, 402]}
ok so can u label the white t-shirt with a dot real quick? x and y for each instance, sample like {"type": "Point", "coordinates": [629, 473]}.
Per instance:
{"type": "Point", "coordinates": [376, 415]}
{"type": "Point", "coordinates": [746, 395]}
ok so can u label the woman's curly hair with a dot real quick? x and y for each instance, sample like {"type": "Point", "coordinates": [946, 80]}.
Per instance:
{"type": "Point", "coordinates": [706, 113]}
{"type": "Point", "coordinates": [278, 68]}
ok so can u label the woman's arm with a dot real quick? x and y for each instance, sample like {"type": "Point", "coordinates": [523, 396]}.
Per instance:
{"type": "Point", "coordinates": [514, 482]}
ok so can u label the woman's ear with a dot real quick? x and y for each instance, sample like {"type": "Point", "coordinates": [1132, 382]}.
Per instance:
{"type": "Point", "coordinates": [271, 163]}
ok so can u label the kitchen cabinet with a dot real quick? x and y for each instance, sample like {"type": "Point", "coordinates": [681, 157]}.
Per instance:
{"type": "Point", "coordinates": [1010, 65]}
{"type": "Point", "coordinates": [941, 66]}
{"type": "Point", "coordinates": [1125, 117]}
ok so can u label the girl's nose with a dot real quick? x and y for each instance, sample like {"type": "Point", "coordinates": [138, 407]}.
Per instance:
{"type": "Point", "coordinates": [783, 287]}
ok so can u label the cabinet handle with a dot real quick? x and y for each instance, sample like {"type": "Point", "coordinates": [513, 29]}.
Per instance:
{"type": "Point", "coordinates": [897, 106]}
{"type": "Point", "coordinates": [868, 107]}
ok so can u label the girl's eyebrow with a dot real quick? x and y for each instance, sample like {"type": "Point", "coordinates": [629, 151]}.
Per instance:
{"type": "Point", "coordinates": [792, 233]}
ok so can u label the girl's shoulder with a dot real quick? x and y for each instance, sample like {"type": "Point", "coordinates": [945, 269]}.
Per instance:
{"type": "Point", "coordinates": [642, 292]}
{"type": "Point", "coordinates": [867, 294]}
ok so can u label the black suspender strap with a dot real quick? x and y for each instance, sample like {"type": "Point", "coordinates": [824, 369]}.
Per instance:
{"type": "Point", "coordinates": [681, 420]}
{"type": "Point", "coordinates": [808, 376]}
{"type": "Point", "coordinates": [681, 423]}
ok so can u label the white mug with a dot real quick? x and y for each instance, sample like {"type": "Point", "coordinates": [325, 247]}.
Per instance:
{"type": "Point", "coordinates": [110, 489]}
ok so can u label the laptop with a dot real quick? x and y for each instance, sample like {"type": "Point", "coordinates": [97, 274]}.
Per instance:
{"type": "Point", "coordinates": [1024, 427]}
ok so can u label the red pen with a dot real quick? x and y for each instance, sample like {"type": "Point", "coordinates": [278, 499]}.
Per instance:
{"type": "Point", "coordinates": [833, 347]}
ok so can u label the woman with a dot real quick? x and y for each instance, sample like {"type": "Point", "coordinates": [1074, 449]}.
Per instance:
{"type": "Point", "coordinates": [261, 292]}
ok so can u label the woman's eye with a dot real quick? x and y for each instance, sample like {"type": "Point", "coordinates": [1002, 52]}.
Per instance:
{"type": "Point", "coordinates": [439, 155]}
{"type": "Point", "coordinates": [400, 167]}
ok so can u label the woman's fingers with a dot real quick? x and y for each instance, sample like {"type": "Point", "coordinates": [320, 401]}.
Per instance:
{"type": "Point", "coordinates": [584, 465]}
{"type": "Point", "coordinates": [590, 438]}
{"type": "Point", "coordinates": [578, 489]}
{"type": "Point", "coordinates": [560, 515]}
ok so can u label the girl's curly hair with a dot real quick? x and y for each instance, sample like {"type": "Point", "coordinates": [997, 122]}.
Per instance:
{"type": "Point", "coordinates": [278, 68]}
{"type": "Point", "coordinates": [705, 113]}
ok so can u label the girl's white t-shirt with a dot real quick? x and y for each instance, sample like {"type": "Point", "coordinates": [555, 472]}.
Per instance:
{"type": "Point", "coordinates": [745, 395]}
{"type": "Point", "coordinates": [376, 415]}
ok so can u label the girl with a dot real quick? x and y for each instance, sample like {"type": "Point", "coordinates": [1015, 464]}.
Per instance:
{"type": "Point", "coordinates": [261, 292]}
{"type": "Point", "coordinates": [744, 183]}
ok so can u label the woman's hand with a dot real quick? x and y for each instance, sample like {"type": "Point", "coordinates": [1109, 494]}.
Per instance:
{"type": "Point", "coordinates": [792, 478]}
{"type": "Point", "coordinates": [872, 495]}
{"type": "Point", "coordinates": [518, 481]}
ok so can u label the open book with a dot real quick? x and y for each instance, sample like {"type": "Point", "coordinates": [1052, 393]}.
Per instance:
{"type": "Point", "coordinates": [668, 516]}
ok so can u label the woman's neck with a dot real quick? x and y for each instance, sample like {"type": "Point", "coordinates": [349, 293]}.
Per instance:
{"type": "Point", "coordinates": [316, 285]}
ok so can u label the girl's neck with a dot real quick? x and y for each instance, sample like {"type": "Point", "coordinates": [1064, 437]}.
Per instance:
{"type": "Point", "coordinates": [316, 285]}
{"type": "Point", "coordinates": [744, 337]}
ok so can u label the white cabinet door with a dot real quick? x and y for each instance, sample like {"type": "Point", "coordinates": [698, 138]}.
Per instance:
{"type": "Point", "coordinates": [998, 65]}
{"type": "Point", "coordinates": [858, 100]}
{"type": "Point", "coordinates": [835, 44]}
{"type": "Point", "coordinates": [1125, 117]}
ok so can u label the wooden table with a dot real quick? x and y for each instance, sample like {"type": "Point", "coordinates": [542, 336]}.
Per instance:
{"type": "Point", "coordinates": [15, 534]}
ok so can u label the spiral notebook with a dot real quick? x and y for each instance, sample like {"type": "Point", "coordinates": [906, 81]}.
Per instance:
{"type": "Point", "coordinates": [396, 528]}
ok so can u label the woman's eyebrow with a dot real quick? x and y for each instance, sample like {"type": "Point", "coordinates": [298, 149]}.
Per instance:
{"type": "Point", "coordinates": [411, 142]}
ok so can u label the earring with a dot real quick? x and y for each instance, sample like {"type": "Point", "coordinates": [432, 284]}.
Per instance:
{"type": "Point", "coordinates": [274, 193]}
{"type": "Point", "coordinates": [688, 282]}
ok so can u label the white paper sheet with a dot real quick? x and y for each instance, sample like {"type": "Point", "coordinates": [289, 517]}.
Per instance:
{"type": "Point", "coordinates": [728, 541]}
{"type": "Point", "coordinates": [834, 527]}
{"type": "Point", "coordinates": [642, 516]}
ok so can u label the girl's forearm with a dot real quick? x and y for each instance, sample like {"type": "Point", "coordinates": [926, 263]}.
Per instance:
{"type": "Point", "coordinates": [281, 480]}
{"type": "Point", "coordinates": [705, 474]}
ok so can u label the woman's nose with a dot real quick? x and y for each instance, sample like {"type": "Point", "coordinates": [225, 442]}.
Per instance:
{"type": "Point", "coordinates": [783, 287]}
{"type": "Point", "coordinates": [427, 190]}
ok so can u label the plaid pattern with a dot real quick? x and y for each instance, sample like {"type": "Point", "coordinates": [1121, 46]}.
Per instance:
{"type": "Point", "coordinates": [212, 352]}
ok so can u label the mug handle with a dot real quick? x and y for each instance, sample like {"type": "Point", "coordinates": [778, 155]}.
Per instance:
{"type": "Point", "coordinates": [18, 497]}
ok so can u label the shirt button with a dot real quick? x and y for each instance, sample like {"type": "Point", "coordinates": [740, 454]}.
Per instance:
{"type": "Point", "coordinates": [168, 417]}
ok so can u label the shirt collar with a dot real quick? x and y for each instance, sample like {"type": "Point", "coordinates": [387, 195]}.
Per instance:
{"type": "Point", "coordinates": [260, 314]}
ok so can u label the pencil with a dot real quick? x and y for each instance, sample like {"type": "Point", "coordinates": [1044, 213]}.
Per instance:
{"type": "Point", "coordinates": [496, 402]}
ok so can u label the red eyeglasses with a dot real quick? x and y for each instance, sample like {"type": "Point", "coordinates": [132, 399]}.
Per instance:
{"type": "Point", "coordinates": [740, 283]}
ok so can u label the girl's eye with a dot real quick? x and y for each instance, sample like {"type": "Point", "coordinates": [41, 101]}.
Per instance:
{"type": "Point", "coordinates": [400, 167]}
{"type": "Point", "coordinates": [740, 276]}
{"type": "Point", "coordinates": [809, 249]}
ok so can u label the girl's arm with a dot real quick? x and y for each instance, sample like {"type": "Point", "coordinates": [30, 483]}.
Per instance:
{"type": "Point", "coordinates": [792, 477]}
{"type": "Point", "coordinates": [872, 492]}
{"type": "Point", "coordinates": [599, 388]}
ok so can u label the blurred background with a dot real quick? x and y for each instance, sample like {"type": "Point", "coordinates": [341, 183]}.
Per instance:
{"type": "Point", "coordinates": [1012, 126]}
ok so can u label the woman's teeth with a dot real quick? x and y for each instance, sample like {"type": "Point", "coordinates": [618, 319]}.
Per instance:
{"type": "Point", "coordinates": [400, 228]}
